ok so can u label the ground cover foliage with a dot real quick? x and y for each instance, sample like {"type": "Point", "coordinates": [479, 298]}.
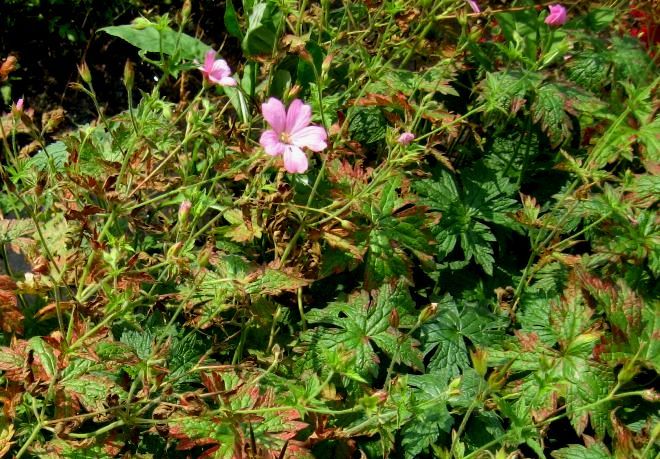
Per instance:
{"type": "Point", "coordinates": [486, 289]}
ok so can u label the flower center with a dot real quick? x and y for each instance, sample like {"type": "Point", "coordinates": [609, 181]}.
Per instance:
{"type": "Point", "coordinates": [285, 137]}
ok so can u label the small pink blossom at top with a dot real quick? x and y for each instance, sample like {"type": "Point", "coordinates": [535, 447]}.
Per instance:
{"type": "Point", "coordinates": [216, 70]}
{"type": "Point", "coordinates": [291, 132]}
{"type": "Point", "coordinates": [474, 5]}
{"type": "Point", "coordinates": [19, 105]}
{"type": "Point", "coordinates": [406, 138]}
{"type": "Point", "coordinates": [557, 16]}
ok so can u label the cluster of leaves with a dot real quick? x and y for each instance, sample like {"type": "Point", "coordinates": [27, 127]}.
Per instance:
{"type": "Point", "coordinates": [489, 290]}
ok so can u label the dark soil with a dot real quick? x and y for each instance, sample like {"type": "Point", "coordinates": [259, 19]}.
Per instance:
{"type": "Point", "coordinates": [51, 39]}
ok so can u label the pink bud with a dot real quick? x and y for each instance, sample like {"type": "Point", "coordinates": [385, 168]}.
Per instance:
{"type": "Point", "coordinates": [406, 138]}
{"type": "Point", "coordinates": [474, 5]}
{"type": "Point", "coordinates": [184, 210]}
{"type": "Point", "coordinates": [557, 16]}
{"type": "Point", "coordinates": [19, 105]}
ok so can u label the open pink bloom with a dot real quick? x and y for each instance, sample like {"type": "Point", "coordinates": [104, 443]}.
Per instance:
{"type": "Point", "coordinates": [474, 5]}
{"type": "Point", "coordinates": [406, 138]}
{"type": "Point", "coordinates": [557, 16]}
{"type": "Point", "coordinates": [216, 70]}
{"type": "Point", "coordinates": [290, 132]}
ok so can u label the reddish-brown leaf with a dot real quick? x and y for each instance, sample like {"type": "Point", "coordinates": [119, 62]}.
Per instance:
{"type": "Point", "coordinates": [11, 317]}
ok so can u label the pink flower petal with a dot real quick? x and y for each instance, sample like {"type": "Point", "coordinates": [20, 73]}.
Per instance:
{"type": "Point", "coordinates": [298, 116]}
{"type": "Point", "coordinates": [270, 140]}
{"type": "Point", "coordinates": [227, 81]}
{"type": "Point", "coordinates": [207, 67]}
{"type": "Point", "coordinates": [557, 16]}
{"type": "Point", "coordinates": [295, 161]}
{"type": "Point", "coordinates": [220, 69]}
{"type": "Point", "coordinates": [474, 5]}
{"type": "Point", "coordinates": [312, 137]}
{"type": "Point", "coordinates": [209, 58]}
{"type": "Point", "coordinates": [406, 138]}
{"type": "Point", "coordinates": [275, 114]}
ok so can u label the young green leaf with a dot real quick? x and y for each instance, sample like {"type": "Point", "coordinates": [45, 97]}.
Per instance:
{"type": "Point", "coordinates": [360, 326]}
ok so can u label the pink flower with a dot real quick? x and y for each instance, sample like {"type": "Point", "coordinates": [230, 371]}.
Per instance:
{"type": "Point", "coordinates": [19, 105]}
{"type": "Point", "coordinates": [406, 138]}
{"type": "Point", "coordinates": [290, 132]}
{"type": "Point", "coordinates": [216, 71]}
{"type": "Point", "coordinates": [474, 5]}
{"type": "Point", "coordinates": [557, 16]}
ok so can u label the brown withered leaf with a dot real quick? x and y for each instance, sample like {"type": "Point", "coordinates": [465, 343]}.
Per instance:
{"type": "Point", "coordinates": [294, 43]}
{"type": "Point", "coordinates": [7, 283]}
{"type": "Point", "coordinates": [624, 437]}
{"type": "Point", "coordinates": [57, 446]}
{"type": "Point", "coordinates": [273, 281]}
{"type": "Point", "coordinates": [11, 397]}
{"type": "Point", "coordinates": [528, 341]}
{"type": "Point", "coordinates": [8, 66]}
{"type": "Point", "coordinates": [12, 361]}
{"type": "Point", "coordinates": [113, 445]}
{"type": "Point", "coordinates": [192, 404]}
{"type": "Point", "coordinates": [30, 148]}
{"type": "Point", "coordinates": [6, 434]}
{"type": "Point", "coordinates": [66, 406]}
{"type": "Point", "coordinates": [442, 159]}
{"type": "Point", "coordinates": [73, 213]}
{"type": "Point", "coordinates": [344, 245]}
{"type": "Point", "coordinates": [406, 18]}
{"type": "Point", "coordinates": [355, 172]}
{"type": "Point", "coordinates": [50, 310]}
{"type": "Point", "coordinates": [132, 280]}
{"type": "Point", "coordinates": [547, 409]}
{"type": "Point", "coordinates": [10, 124]}
{"type": "Point", "coordinates": [11, 317]}
{"type": "Point", "coordinates": [398, 100]}
{"type": "Point", "coordinates": [373, 100]}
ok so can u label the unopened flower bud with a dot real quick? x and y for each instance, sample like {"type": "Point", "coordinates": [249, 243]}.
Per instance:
{"type": "Point", "coordinates": [17, 109]}
{"type": "Point", "coordinates": [293, 92]}
{"type": "Point", "coordinates": [185, 10]}
{"type": "Point", "coordinates": [204, 256]}
{"type": "Point", "coordinates": [347, 225]}
{"type": "Point", "coordinates": [174, 250]}
{"type": "Point", "coordinates": [406, 138]}
{"type": "Point", "coordinates": [651, 395]}
{"type": "Point", "coordinates": [462, 17]}
{"type": "Point", "coordinates": [497, 379]}
{"type": "Point", "coordinates": [480, 360]}
{"type": "Point", "coordinates": [84, 72]}
{"type": "Point", "coordinates": [129, 74]}
{"type": "Point", "coordinates": [184, 210]}
{"type": "Point", "coordinates": [428, 312]}
{"type": "Point", "coordinates": [627, 373]}
{"type": "Point", "coordinates": [325, 65]}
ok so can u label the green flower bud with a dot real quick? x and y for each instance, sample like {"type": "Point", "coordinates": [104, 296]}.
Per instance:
{"type": "Point", "coordinates": [129, 74]}
{"type": "Point", "coordinates": [84, 72]}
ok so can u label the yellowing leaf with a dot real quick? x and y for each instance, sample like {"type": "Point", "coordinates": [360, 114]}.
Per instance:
{"type": "Point", "coordinates": [6, 434]}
